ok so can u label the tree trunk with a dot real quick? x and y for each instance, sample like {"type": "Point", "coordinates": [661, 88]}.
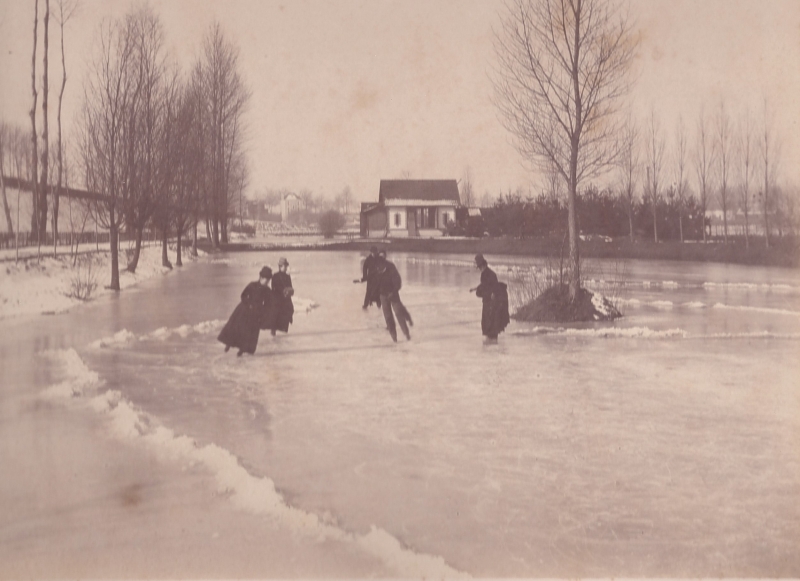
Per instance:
{"type": "Point", "coordinates": [178, 261]}
{"type": "Point", "coordinates": [137, 249]}
{"type": "Point", "coordinates": [45, 179]}
{"type": "Point", "coordinates": [630, 220]}
{"type": "Point", "coordinates": [164, 243]}
{"type": "Point", "coordinates": [572, 221]}
{"type": "Point", "coordinates": [113, 236]}
{"type": "Point", "coordinates": [194, 239]}
{"type": "Point", "coordinates": [34, 137]}
{"type": "Point", "coordinates": [6, 208]}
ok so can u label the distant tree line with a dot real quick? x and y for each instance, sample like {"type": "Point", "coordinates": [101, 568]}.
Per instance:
{"type": "Point", "coordinates": [604, 212]}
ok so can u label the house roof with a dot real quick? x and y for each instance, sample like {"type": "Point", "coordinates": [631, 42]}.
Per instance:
{"type": "Point", "coordinates": [419, 190]}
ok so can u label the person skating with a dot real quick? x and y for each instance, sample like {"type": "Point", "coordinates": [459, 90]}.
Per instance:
{"type": "Point", "coordinates": [250, 316]}
{"type": "Point", "coordinates": [494, 294]}
{"type": "Point", "coordinates": [389, 283]}
{"type": "Point", "coordinates": [369, 274]}
{"type": "Point", "coordinates": [282, 292]}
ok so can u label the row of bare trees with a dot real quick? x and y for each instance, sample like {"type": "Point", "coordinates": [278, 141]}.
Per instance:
{"type": "Point", "coordinates": [40, 159]}
{"type": "Point", "coordinates": [163, 149]}
{"type": "Point", "coordinates": [734, 166]}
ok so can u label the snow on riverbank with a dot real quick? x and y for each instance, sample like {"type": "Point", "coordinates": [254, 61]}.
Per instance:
{"type": "Point", "coordinates": [48, 285]}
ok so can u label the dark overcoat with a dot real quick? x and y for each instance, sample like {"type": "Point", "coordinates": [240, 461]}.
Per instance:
{"type": "Point", "coordinates": [283, 307]}
{"type": "Point", "coordinates": [494, 315]}
{"type": "Point", "coordinates": [252, 314]}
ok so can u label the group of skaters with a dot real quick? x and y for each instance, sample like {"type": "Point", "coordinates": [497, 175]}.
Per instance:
{"type": "Point", "coordinates": [267, 303]}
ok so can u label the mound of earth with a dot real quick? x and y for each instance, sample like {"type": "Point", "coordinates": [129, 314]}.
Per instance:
{"type": "Point", "coordinates": [554, 306]}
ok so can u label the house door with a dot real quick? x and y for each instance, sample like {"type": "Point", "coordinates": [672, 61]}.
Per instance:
{"type": "Point", "coordinates": [411, 221]}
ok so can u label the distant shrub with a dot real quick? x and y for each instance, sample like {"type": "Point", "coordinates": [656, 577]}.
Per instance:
{"type": "Point", "coordinates": [330, 223]}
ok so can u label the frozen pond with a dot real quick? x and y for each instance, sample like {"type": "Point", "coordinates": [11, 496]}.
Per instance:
{"type": "Point", "coordinates": [665, 444]}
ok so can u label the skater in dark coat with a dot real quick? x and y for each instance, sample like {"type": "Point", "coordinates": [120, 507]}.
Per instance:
{"type": "Point", "coordinates": [282, 291]}
{"type": "Point", "coordinates": [389, 283]}
{"type": "Point", "coordinates": [369, 274]}
{"type": "Point", "coordinates": [251, 315]}
{"type": "Point", "coordinates": [494, 294]}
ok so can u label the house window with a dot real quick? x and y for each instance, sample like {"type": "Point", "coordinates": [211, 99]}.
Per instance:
{"type": "Point", "coordinates": [428, 218]}
{"type": "Point", "coordinates": [397, 219]}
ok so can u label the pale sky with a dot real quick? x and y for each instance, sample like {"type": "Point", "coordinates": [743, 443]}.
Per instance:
{"type": "Point", "coordinates": [349, 92]}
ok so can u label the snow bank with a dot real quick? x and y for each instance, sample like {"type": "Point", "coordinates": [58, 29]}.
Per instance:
{"type": "Point", "coordinates": [33, 286]}
{"type": "Point", "coordinates": [247, 492]}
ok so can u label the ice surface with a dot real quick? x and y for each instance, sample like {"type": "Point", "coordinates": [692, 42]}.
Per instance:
{"type": "Point", "coordinates": [663, 444]}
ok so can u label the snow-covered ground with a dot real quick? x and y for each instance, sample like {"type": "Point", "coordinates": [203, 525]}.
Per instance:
{"type": "Point", "coordinates": [49, 285]}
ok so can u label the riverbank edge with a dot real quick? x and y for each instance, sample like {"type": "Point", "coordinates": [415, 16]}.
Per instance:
{"type": "Point", "coordinates": [784, 253]}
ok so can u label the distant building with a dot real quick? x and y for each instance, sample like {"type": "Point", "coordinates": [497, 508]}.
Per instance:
{"type": "Point", "coordinates": [290, 203]}
{"type": "Point", "coordinates": [410, 208]}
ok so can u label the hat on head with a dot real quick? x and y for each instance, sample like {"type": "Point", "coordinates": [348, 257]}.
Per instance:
{"type": "Point", "coordinates": [265, 272]}
{"type": "Point", "coordinates": [480, 260]}
{"type": "Point", "coordinates": [282, 261]}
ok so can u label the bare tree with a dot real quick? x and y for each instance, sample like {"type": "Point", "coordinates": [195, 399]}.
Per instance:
{"type": "Point", "coordinates": [629, 167]}
{"type": "Point", "coordinates": [680, 170]}
{"type": "Point", "coordinates": [34, 136]}
{"type": "Point", "coordinates": [108, 93]}
{"type": "Point", "coordinates": [66, 10]}
{"type": "Point", "coordinates": [225, 97]}
{"type": "Point", "coordinates": [769, 152]}
{"type": "Point", "coordinates": [562, 68]}
{"type": "Point", "coordinates": [45, 179]}
{"type": "Point", "coordinates": [704, 164]}
{"type": "Point", "coordinates": [5, 148]}
{"type": "Point", "coordinates": [655, 161]}
{"type": "Point", "coordinates": [344, 199]}
{"type": "Point", "coordinates": [145, 124]}
{"type": "Point", "coordinates": [467, 194]}
{"type": "Point", "coordinates": [745, 145]}
{"type": "Point", "coordinates": [722, 144]}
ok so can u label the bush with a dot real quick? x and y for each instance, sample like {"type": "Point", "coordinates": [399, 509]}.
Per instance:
{"type": "Point", "coordinates": [330, 222]}
{"type": "Point", "coordinates": [83, 280]}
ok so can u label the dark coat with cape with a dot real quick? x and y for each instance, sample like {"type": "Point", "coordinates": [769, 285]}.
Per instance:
{"type": "Point", "coordinates": [494, 316]}
{"type": "Point", "coordinates": [252, 314]}
{"type": "Point", "coordinates": [283, 307]}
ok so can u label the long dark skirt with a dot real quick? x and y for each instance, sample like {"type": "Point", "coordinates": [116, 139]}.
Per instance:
{"type": "Point", "coordinates": [283, 314]}
{"type": "Point", "coordinates": [242, 329]}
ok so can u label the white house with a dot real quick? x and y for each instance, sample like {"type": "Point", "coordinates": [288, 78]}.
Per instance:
{"type": "Point", "coordinates": [290, 203]}
{"type": "Point", "coordinates": [410, 208]}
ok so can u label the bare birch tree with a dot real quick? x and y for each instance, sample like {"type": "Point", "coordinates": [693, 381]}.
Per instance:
{"type": "Point", "coordinates": [654, 152]}
{"type": "Point", "coordinates": [562, 68]}
{"type": "Point", "coordinates": [722, 144]}
{"type": "Point", "coordinates": [704, 164]}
